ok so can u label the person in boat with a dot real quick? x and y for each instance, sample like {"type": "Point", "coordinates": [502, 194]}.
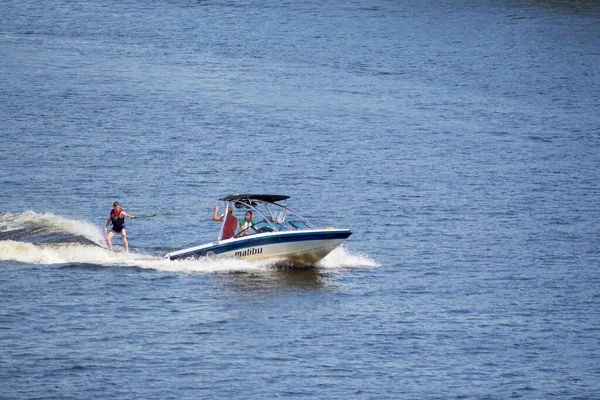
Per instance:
{"type": "Point", "coordinates": [247, 223]}
{"type": "Point", "coordinates": [117, 219]}
{"type": "Point", "coordinates": [231, 222]}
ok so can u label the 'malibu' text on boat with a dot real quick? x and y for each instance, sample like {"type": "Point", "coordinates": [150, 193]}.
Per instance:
{"type": "Point", "coordinates": [276, 232]}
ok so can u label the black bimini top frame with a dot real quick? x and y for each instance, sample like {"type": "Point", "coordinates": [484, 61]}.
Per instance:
{"type": "Point", "coordinates": [274, 215]}
{"type": "Point", "coordinates": [269, 198]}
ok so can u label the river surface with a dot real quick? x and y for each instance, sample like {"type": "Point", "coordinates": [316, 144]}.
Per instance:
{"type": "Point", "coordinates": [459, 140]}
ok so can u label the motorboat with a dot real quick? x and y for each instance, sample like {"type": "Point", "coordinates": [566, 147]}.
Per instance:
{"type": "Point", "coordinates": [276, 232]}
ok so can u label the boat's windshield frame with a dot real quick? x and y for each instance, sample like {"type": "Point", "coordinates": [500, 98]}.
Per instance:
{"type": "Point", "coordinates": [274, 216]}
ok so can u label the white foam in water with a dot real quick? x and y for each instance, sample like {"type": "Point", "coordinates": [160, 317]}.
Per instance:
{"type": "Point", "coordinates": [51, 222]}
{"type": "Point", "coordinates": [206, 265]}
{"type": "Point", "coordinates": [55, 253]}
{"type": "Point", "coordinates": [343, 258]}
{"type": "Point", "coordinates": [65, 253]}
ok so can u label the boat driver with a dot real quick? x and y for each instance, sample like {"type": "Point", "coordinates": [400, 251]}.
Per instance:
{"type": "Point", "coordinates": [247, 223]}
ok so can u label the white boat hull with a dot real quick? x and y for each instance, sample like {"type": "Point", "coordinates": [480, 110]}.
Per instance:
{"type": "Point", "coordinates": [294, 248]}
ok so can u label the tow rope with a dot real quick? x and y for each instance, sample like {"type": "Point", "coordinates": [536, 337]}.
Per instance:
{"type": "Point", "coordinates": [172, 211]}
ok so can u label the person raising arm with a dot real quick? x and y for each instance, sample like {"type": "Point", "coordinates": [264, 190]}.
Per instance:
{"type": "Point", "coordinates": [230, 224]}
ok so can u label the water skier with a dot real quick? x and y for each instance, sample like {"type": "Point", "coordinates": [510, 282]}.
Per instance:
{"type": "Point", "coordinates": [117, 219]}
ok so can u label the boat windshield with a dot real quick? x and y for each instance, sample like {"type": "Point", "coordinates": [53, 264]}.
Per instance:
{"type": "Point", "coordinates": [269, 217]}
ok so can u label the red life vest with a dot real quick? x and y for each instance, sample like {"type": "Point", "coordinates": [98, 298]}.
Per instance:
{"type": "Point", "coordinates": [115, 217]}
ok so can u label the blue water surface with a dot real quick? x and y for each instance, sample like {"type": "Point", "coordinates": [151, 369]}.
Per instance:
{"type": "Point", "coordinates": [460, 141]}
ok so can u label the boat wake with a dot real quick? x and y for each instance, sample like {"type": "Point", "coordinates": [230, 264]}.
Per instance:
{"type": "Point", "coordinates": [74, 254]}
{"type": "Point", "coordinates": [32, 227]}
{"type": "Point", "coordinates": [47, 239]}
{"type": "Point", "coordinates": [344, 258]}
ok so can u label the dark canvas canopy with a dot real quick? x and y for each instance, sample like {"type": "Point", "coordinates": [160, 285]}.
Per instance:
{"type": "Point", "coordinates": [271, 198]}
